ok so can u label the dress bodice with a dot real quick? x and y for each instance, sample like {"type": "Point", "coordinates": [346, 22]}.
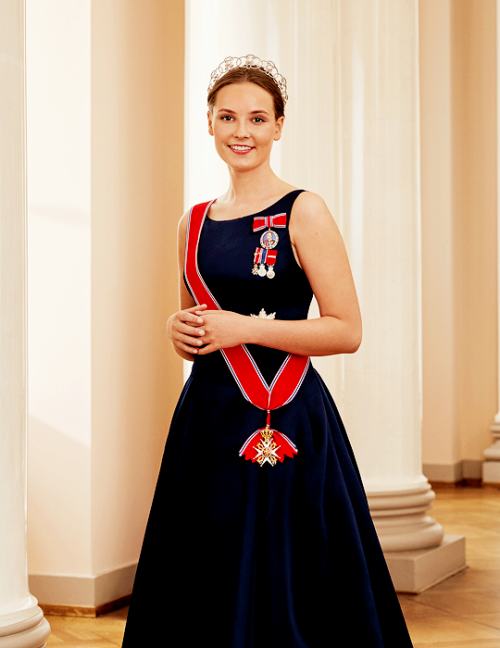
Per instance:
{"type": "Point", "coordinates": [226, 259]}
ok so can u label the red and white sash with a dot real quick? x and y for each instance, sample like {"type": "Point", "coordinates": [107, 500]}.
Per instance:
{"type": "Point", "coordinates": [243, 367]}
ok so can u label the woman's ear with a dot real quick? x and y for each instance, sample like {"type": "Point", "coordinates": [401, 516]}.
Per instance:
{"type": "Point", "coordinates": [210, 123]}
{"type": "Point", "coordinates": [279, 128]}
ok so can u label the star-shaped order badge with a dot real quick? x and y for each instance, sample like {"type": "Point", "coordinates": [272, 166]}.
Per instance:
{"type": "Point", "coordinates": [268, 446]}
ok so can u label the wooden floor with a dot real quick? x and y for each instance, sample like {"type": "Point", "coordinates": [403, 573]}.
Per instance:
{"type": "Point", "coordinates": [462, 612]}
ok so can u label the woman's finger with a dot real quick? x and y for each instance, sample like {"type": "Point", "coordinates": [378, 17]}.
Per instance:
{"type": "Point", "coordinates": [188, 349]}
{"type": "Point", "coordinates": [208, 348]}
{"type": "Point", "coordinates": [194, 320]}
{"type": "Point", "coordinates": [189, 329]}
{"type": "Point", "coordinates": [188, 339]}
{"type": "Point", "coordinates": [193, 309]}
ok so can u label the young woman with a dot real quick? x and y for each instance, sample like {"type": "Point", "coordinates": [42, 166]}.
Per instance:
{"type": "Point", "coordinates": [260, 534]}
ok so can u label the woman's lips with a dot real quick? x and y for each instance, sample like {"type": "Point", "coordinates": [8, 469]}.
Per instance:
{"type": "Point", "coordinates": [240, 150]}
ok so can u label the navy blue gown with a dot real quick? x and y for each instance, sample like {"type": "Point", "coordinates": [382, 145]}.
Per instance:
{"type": "Point", "coordinates": [249, 556]}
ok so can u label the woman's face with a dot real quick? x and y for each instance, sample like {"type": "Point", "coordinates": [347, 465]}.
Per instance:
{"type": "Point", "coordinates": [244, 125]}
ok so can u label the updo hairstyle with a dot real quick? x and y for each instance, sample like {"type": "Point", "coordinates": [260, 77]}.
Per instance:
{"type": "Point", "coordinates": [251, 75]}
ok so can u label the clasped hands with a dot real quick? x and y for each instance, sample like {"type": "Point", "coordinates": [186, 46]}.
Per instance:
{"type": "Point", "coordinates": [199, 331]}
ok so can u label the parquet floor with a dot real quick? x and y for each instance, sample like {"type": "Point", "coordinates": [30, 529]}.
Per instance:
{"type": "Point", "coordinates": [462, 612]}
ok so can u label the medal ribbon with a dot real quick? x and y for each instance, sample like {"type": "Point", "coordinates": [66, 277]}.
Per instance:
{"type": "Point", "coordinates": [243, 367]}
{"type": "Point", "coordinates": [271, 257]}
{"type": "Point", "coordinates": [266, 222]}
{"type": "Point", "coordinates": [257, 257]}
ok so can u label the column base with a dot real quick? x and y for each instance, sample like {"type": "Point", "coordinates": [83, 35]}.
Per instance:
{"type": "Point", "coordinates": [414, 571]}
{"type": "Point", "coordinates": [491, 465]}
{"type": "Point", "coordinates": [491, 472]}
{"type": "Point", "coordinates": [400, 518]}
{"type": "Point", "coordinates": [30, 632]}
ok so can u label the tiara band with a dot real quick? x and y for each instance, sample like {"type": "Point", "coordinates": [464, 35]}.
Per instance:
{"type": "Point", "coordinates": [251, 62]}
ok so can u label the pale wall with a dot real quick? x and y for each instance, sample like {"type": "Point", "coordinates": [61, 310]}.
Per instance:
{"type": "Point", "coordinates": [458, 146]}
{"type": "Point", "coordinates": [105, 150]}
{"type": "Point", "coordinates": [137, 199]}
{"type": "Point", "coordinates": [474, 202]}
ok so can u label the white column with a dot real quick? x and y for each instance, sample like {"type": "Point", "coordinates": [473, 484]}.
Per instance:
{"type": "Point", "coordinates": [491, 466]}
{"type": "Point", "coordinates": [371, 88]}
{"type": "Point", "coordinates": [381, 177]}
{"type": "Point", "coordinates": [355, 140]}
{"type": "Point", "coordinates": [21, 620]}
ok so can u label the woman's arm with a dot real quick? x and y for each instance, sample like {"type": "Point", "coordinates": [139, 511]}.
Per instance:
{"type": "Point", "coordinates": [183, 327]}
{"type": "Point", "coordinates": [321, 252]}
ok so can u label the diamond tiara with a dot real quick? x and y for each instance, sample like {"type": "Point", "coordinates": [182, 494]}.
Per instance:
{"type": "Point", "coordinates": [249, 61]}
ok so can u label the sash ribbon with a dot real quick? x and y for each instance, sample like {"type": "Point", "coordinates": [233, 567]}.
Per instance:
{"type": "Point", "coordinates": [243, 367]}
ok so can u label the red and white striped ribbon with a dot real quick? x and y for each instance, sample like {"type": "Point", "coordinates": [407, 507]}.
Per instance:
{"type": "Point", "coordinates": [266, 222]}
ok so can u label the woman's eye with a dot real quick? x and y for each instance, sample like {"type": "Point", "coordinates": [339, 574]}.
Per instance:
{"type": "Point", "coordinates": [258, 119]}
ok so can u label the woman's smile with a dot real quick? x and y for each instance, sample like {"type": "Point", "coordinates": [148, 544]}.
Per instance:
{"type": "Point", "coordinates": [239, 149]}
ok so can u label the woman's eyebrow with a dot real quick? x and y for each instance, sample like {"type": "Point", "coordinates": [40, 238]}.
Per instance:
{"type": "Point", "coordinates": [252, 112]}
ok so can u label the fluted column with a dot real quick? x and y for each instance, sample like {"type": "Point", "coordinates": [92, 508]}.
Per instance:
{"type": "Point", "coordinates": [379, 50]}
{"type": "Point", "coordinates": [374, 133]}
{"type": "Point", "coordinates": [491, 466]}
{"type": "Point", "coordinates": [360, 78]}
{"type": "Point", "coordinates": [21, 620]}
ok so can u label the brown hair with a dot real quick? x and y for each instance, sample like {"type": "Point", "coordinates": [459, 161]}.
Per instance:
{"type": "Point", "coordinates": [252, 75]}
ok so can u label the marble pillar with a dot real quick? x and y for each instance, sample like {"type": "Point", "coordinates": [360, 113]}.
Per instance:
{"type": "Point", "coordinates": [22, 624]}
{"type": "Point", "coordinates": [381, 183]}
{"type": "Point", "coordinates": [360, 76]}
{"type": "Point", "coordinates": [380, 124]}
{"type": "Point", "coordinates": [491, 465]}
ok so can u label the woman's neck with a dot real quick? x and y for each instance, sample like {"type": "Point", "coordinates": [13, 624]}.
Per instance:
{"type": "Point", "coordinates": [247, 188]}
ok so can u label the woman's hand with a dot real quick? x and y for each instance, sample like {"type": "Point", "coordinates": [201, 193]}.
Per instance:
{"type": "Point", "coordinates": [223, 329]}
{"type": "Point", "coordinates": [184, 330]}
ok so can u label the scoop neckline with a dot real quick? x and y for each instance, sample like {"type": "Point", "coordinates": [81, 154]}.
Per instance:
{"type": "Point", "coordinates": [230, 220]}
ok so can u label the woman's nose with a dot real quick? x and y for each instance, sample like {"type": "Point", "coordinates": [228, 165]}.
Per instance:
{"type": "Point", "coordinates": [241, 129]}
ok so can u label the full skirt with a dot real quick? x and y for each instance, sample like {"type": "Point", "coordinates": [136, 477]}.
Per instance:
{"type": "Point", "coordinates": [261, 557]}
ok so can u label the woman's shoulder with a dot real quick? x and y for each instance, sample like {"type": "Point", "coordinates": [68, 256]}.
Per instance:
{"type": "Point", "coordinates": [309, 208]}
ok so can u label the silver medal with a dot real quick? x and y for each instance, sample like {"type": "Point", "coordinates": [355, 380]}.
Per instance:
{"type": "Point", "coordinates": [262, 270]}
{"type": "Point", "coordinates": [269, 239]}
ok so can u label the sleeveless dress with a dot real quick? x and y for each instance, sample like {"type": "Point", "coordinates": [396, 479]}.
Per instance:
{"type": "Point", "coordinates": [251, 556]}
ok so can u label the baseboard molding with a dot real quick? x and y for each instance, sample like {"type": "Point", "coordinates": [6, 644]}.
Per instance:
{"type": "Point", "coordinates": [83, 595]}
{"type": "Point", "coordinates": [466, 472]}
{"type": "Point", "coordinates": [85, 611]}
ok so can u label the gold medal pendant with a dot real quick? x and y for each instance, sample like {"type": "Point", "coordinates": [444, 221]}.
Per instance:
{"type": "Point", "coordinates": [267, 448]}
{"type": "Point", "coordinates": [267, 445]}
